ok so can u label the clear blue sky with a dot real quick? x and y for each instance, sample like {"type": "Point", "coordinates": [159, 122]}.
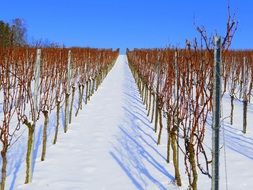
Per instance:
{"type": "Point", "coordinates": [128, 23]}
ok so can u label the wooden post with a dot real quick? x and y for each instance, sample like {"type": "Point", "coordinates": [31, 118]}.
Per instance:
{"type": "Point", "coordinates": [67, 93]}
{"type": "Point", "coordinates": [69, 71]}
{"type": "Point", "coordinates": [31, 124]}
{"type": "Point", "coordinates": [36, 102]}
{"type": "Point", "coordinates": [177, 98]}
{"type": "Point", "coordinates": [157, 91]}
{"type": "Point", "coordinates": [216, 113]}
{"type": "Point", "coordinates": [245, 97]}
{"type": "Point", "coordinates": [37, 81]}
{"type": "Point", "coordinates": [241, 81]}
{"type": "Point", "coordinates": [232, 91]}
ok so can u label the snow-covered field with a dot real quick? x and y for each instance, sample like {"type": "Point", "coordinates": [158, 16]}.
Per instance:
{"type": "Point", "coordinates": [111, 145]}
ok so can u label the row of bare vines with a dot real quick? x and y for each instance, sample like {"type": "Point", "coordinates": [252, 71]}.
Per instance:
{"type": "Point", "coordinates": [177, 84]}
{"type": "Point", "coordinates": [36, 82]}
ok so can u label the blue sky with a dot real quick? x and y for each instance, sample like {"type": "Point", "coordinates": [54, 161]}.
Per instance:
{"type": "Point", "coordinates": [128, 23]}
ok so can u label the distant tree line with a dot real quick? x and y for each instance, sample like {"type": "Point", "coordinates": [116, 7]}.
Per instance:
{"type": "Point", "coordinates": [13, 34]}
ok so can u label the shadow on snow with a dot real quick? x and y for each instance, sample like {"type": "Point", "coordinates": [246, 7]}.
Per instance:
{"type": "Point", "coordinates": [135, 149]}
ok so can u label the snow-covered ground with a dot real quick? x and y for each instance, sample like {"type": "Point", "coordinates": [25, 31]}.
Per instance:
{"type": "Point", "coordinates": [111, 145]}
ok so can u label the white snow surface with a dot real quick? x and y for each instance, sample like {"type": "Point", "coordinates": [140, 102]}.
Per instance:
{"type": "Point", "coordinates": [111, 145]}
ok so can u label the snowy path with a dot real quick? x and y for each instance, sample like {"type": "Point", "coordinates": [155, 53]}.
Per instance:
{"type": "Point", "coordinates": [110, 144]}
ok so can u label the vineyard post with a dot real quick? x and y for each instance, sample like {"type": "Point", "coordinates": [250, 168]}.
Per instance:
{"type": "Point", "coordinates": [157, 91]}
{"type": "Point", "coordinates": [232, 91]}
{"type": "Point", "coordinates": [241, 81]}
{"type": "Point", "coordinates": [36, 100]}
{"type": "Point", "coordinates": [31, 124]}
{"type": "Point", "coordinates": [69, 71]}
{"type": "Point", "coordinates": [67, 93]}
{"type": "Point", "coordinates": [216, 113]}
{"type": "Point", "coordinates": [37, 79]}
{"type": "Point", "coordinates": [177, 98]}
{"type": "Point", "coordinates": [245, 97]}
